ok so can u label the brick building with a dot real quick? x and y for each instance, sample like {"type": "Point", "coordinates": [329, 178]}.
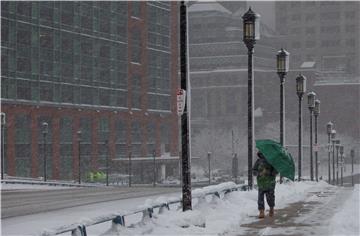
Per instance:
{"type": "Point", "coordinates": [107, 69]}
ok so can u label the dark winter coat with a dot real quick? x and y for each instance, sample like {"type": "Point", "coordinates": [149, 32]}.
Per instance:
{"type": "Point", "coordinates": [266, 174]}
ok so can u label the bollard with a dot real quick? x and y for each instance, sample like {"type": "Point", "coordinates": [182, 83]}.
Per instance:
{"type": "Point", "coordinates": [79, 231]}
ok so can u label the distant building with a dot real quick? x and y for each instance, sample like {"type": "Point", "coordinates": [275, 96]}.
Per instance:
{"type": "Point", "coordinates": [218, 67]}
{"type": "Point", "coordinates": [326, 35]}
{"type": "Point", "coordinates": [324, 32]}
{"type": "Point", "coordinates": [106, 68]}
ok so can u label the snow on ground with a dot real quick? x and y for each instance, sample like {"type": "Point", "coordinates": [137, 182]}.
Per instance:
{"type": "Point", "coordinates": [210, 217]}
{"type": "Point", "coordinates": [346, 221]}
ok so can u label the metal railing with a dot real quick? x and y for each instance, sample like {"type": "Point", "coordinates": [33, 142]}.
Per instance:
{"type": "Point", "coordinates": [118, 219]}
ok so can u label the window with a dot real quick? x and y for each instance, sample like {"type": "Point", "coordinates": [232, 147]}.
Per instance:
{"type": "Point", "coordinates": [136, 9]}
{"type": "Point", "coordinates": [23, 90]}
{"type": "Point", "coordinates": [46, 92]}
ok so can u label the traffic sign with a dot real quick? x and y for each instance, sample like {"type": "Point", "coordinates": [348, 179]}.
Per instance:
{"type": "Point", "coordinates": [180, 101]}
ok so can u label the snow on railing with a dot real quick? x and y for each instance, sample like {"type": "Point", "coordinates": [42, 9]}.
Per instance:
{"type": "Point", "coordinates": [147, 210]}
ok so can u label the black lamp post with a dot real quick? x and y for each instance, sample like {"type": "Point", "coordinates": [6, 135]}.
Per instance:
{"type": "Point", "coordinates": [300, 90]}
{"type": "Point", "coordinates": [154, 167]}
{"type": "Point", "coordinates": [209, 166]}
{"type": "Point", "coordinates": [106, 143]}
{"type": "Point", "coordinates": [352, 154]}
{"type": "Point", "coordinates": [337, 145]}
{"type": "Point", "coordinates": [130, 170]}
{"type": "Point", "coordinates": [251, 33]}
{"type": "Point", "coordinates": [44, 132]}
{"type": "Point", "coordinates": [316, 114]}
{"type": "Point", "coordinates": [282, 66]}
{"type": "Point", "coordinates": [79, 156]}
{"type": "Point", "coordinates": [3, 123]}
{"type": "Point", "coordinates": [341, 149]}
{"type": "Point", "coordinates": [311, 106]}
{"type": "Point", "coordinates": [333, 136]}
{"type": "Point", "coordinates": [329, 127]}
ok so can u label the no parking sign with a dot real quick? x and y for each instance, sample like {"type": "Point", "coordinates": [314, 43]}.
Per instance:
{"type": "Point", "coordinates": [180, 101]}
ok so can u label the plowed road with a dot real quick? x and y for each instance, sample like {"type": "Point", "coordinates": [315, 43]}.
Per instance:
{"type": "Point", "coordinates": [16, 203]}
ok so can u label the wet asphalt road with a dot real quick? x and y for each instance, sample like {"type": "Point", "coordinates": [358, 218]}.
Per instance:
{"type": "Point", "coordinates": [16, 203]}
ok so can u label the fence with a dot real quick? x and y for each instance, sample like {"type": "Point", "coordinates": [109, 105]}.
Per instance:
{"type": "Point", "coordinates": [118, 219]}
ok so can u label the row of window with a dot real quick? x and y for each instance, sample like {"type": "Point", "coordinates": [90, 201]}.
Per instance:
{"type": "Point", "coordinates": [23, 133]}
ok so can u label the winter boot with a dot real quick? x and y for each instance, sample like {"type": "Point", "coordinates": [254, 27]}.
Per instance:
{"type": "Point", "coordinates": [271, 212]}
{"type": "Point", "coordinates": [261, 214]}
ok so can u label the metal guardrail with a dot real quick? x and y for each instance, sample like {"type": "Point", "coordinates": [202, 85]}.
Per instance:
{"type": "Point", "coordinates": [47, 183]}
{"type": "Point", "coordinates": [118, 219]}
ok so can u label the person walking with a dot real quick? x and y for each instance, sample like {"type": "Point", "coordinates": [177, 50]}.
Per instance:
{"type": "Point", "coordinates": [266, 181]}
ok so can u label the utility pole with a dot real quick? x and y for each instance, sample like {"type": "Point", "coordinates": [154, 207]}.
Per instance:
{"type": "Point", "coordinates": [352, 154]}
{"type": "Point", "coordinates": [185, 151]}
{"type": "Point", "coordinates": [154, 167]}
{"type": "Point", "coordinates": [3, 123]}
{"type": "Point", "coordinates": [209, 156]}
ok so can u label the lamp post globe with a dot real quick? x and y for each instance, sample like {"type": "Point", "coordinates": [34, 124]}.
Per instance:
{"type": "Point", "coordinates": [329, 128]}
{"type": "Point", "coordinates": [300, 85]}
{"type": "Point", "coordinates": [251, 26]}
{"type": "Point", "coordinates": [282, 62]}
{"type": "Point", "coordinates": [251, 33]}
{"type": "Point", "coordinates": [311, 100]}
{"type": "Point", "coordinates": [300, 91]}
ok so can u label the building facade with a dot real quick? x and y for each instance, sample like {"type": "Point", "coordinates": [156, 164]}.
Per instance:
{"type": "Point", "coordinates": [326, 34]}
{"type": "Point", "coordinates": [107, 69]}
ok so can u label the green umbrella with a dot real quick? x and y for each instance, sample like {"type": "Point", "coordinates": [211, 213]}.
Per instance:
{"type": "Point", "coordinates": [277, 156]}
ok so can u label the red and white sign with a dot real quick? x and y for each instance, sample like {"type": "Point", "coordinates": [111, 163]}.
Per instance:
{"type": "Point", "coordinates": [180, 101]}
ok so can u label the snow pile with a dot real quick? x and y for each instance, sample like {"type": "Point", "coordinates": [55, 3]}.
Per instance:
{"type": "Point", "coordinates": [211, 215]}
{"type": "Point", "coordinates": [346, 221]}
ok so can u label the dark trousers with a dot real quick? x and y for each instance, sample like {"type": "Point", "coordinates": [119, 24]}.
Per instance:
{"type": "Point", "coordinates": [270, 198]}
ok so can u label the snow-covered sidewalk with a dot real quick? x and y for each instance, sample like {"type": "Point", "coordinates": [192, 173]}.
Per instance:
{"type": "Point", "coordinates": [305, 208]}
{"type": "Point", "coordinates": [302, 208]}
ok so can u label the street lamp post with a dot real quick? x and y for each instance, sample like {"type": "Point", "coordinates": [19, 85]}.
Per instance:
{"type": "Point", "coordinates": [79, 156]}
{"type": "Point", "coordinates": [129, 170]}
{"type": "Point", "coordinates": [282, 66]}
{"type": "Point", "coordinates": [300, 90]}
{"type": "Point", "coordinates": [329, 127]}
{"type": "Point", "coordinates": [107, 161]}
{"type": "Point", "coordinates": [44, 132]}
{"type": "Point", "coordinates": [316, 115]}
{"type": "Point", "coordinates": [3, 123]}
{"type": "Point", "coordinates": [337, 145]}
{"type": "Point", "coordinates": [154, 167]}
{"type": "Point", "coordinates": [333, 136]}
{"type": "Point", "coordinates": [251, 33]}
{"type": "Point", "coordinates": [311, 106]}
{"type": "Point", "coordinates": [341, 149]}
{"type": "Point", "coordinates": [209, 166]}
{"type": "Point", "coordinates": [352, 154]}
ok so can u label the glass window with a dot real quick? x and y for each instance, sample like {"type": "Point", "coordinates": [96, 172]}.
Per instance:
{"type": "Point", "coordinates": [23, 90]}
{"type": "Point", "coordinates": [66, 130]}
{"type": "Point", "coordinates": [23, 8]}
{"type": "Point", "coordinates": [86, 95]}
{"type": "Point", "coordinates": [136, 9]}
{"type": "Point", "coordinates": [46, 92]}
{"type": "Point", "coordinates": [67, 93]}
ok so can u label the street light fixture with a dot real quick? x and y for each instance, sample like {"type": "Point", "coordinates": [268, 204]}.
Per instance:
{"type": "Point", "coordinates": [333, 136]}
{"type": "Point", "coordinates": [300, 90]}
{"type": "Point", "coordinates": [79, 156]}
{"type": "Point", "coordinates": [316, 114]}
{"type": "Point", "coordinates": [251, 33]}
{"type": "Point", "coordinates": [282, 64]}
{"type": "Point", "coordinates": [329, 128]}
{"type": "Point", "coordinates": [3, 123]}
{"type": "Point", "coordinates": [45, 130]}
{"type": "Point", "coordinates": [311, 106]}
{"type": "Point", "coordinates": [341, 149]}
